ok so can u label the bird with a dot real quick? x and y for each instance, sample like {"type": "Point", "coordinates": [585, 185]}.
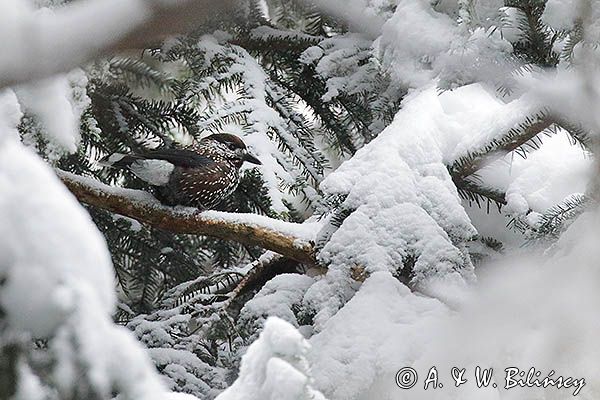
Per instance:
{"type": "Point", "coordinates": [199, 175]}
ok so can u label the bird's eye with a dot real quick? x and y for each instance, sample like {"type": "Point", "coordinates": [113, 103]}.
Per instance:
{"type": "Point", "coordinates": [232, 146]}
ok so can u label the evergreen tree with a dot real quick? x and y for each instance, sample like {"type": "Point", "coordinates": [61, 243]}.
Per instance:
{"type": "Point", "coordinates": [327, 108]}
{"type": "Point", "coordinates": [300, 88]}
{"type": "Point", "coordinates": [307, 93]}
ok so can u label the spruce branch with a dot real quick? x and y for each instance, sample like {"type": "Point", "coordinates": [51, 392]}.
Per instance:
{"type": "Point", "coordinates": [511, 141]}
{"type": "Point", "coordinates": [248, 229]}
{"type": "Point", "coordinates": [266, 39]}
{"type": "Point", "coordinates": [205, 289]}
{"type": "Point", "coordinates": [557, 218]}
{"type": "Point", "coordinates": [577, 133]}
{"type": "Point", "coordinates": [521, 139]}
{"type": "Point", "coordinates": [479, 195]}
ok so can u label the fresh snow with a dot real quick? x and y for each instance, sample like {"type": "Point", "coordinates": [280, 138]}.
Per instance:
{"type": "Point", "coordinates": [408, 51]}
{"type": "Point", "coordinates": [276, 298]}
{"type": "Point", "coordinates": [274, 367]}
{"type": "Point", "coordinates": [51, 100]}
{"type": "Point", "coordinates": [380, 330]}
{"type": "Point", "coordinates": [403, 198]}
{"type": "Point", "coordinates": [50, 242]}
{"type": "Point", "coordinates": [304, 232]}
{"type": "Point", "coordinates": [561, 14]}
{"type": "Point", "coordinates": [548, 175]}
{"type": "Point", "coordinates": [46, 229]}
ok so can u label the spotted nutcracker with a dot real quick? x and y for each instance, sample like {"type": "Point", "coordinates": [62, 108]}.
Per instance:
{"type": "Point", "coordinates": [200, 175]}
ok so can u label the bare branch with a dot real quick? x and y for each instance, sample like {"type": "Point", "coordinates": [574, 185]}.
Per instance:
{"type": "Point", "coordinates": [292, 240]}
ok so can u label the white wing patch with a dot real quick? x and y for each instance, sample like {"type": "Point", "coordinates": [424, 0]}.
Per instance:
{"type": "Point", "coordinates": [155, 172]}
{"type": "Point", "coordinates": [110, 161]}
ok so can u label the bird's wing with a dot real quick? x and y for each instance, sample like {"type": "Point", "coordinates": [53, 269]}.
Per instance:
{"type": "Point", "coordinates": [156, 167]}
{"type": "Point", "coordinates": [178, 157]}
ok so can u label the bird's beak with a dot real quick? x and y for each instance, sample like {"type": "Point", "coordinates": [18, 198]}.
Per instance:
{"type": "Point", "coordinates": [251, 159]}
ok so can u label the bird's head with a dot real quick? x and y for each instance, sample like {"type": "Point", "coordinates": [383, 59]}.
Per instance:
{"type": "Point", "coordinates": [232, 147]}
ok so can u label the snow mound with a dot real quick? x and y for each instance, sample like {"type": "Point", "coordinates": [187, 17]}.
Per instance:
{"type": "Point", "coordinates": [403, 202]}
{"type": "Point", "coordinates": [561, 14]}
{"type": "Point", "coordinates": [274, 367]}
{"type": "Point", "coordinates": [47, 237]}
{"type": "Point", "coordinates": [404, 212]}
{"type": "Point", "coordinates": [50, 100]}
{"type": "Point", "coordinates": [380, 330]}
{"type": "Point", "coordinates": [409, 52]}
{"type": "Point", "coordinates": [48, 242]}
{"type": "Point", "coordinates": [277, 298]}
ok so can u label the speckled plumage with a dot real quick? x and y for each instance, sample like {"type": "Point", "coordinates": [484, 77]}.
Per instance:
{"type": "Point", "coordinates": [200, 175]}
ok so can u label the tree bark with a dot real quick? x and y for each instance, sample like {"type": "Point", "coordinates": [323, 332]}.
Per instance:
{"type": "Point", "coordinates": [282, 237]}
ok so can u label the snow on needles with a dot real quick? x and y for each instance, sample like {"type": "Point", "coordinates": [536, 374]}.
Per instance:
{"type": "Point", "coordinates": [401, 200]}
{"type": "Point", "coordinates": [277, 169]}
{"type": "Point", "coordinates": [277, 298]}
{"type": "Point", "coordinates": [304, 232]}
{"type": "Point", "coordinates": [50, 100]}
{"type": "Point", "coordinates": [409, 51]}
{"type": "Point", "coordinates": [561, 14]}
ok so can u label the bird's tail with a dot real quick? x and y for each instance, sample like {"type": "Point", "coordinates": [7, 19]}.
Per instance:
{"type": "Point", "coordinates": [118, 160]}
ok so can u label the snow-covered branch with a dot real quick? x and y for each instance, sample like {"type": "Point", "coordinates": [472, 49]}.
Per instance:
{"type": "Point", "coordinates": [292, 240]}
{"type": "Point", "coordinates": [83, 30]}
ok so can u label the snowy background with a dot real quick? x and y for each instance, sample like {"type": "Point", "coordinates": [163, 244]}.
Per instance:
{"type": "Point", "coordinates": [532, 303]}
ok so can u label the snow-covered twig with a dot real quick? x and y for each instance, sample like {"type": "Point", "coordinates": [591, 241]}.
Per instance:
{"type": "Point", "coordinates": [292, 240]}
